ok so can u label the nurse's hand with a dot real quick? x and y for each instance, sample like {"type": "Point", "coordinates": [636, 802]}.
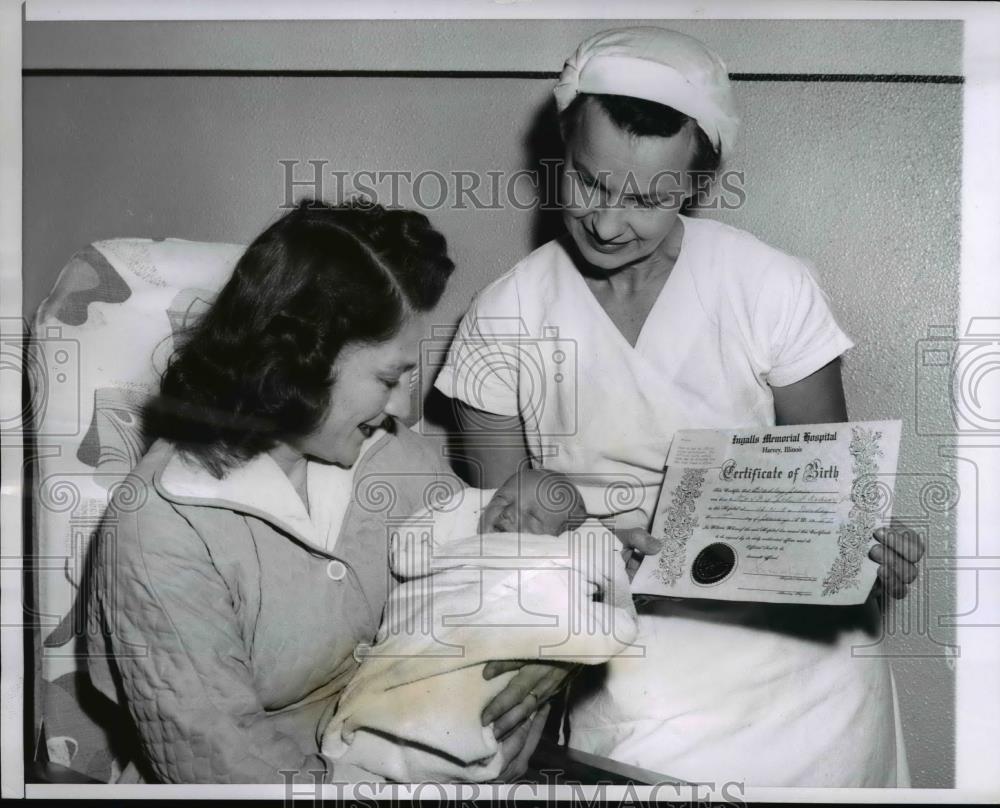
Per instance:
{"type": "Point", "coordinates": [637, 543]}
{"type": "Point", "coordinates": [520, 745]}
{"type": "Point", "coordinates": [898, 550]}
{"type": "Point", "coordinates": [533, 685]}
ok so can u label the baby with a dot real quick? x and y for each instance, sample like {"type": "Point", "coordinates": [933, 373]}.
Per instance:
{"type": "Point", "coordinates": [545, 502]}
{"type": "Point", "coordinates": [525, 577]}
{"type": "Point", "coordinates": [534, 501]}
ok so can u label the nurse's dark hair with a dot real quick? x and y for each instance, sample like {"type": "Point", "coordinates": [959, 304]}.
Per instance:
{"type": "Point", "coordinates": [643, 119]}
{"type": "Point", "coordinates": [255, 370]}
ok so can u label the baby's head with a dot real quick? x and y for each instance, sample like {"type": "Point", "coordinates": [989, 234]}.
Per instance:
{"type": "Point", "coordinates": [534, 501]}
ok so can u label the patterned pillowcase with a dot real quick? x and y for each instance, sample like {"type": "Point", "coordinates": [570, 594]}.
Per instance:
{"type": "Point", "coordinates": [99, 342]}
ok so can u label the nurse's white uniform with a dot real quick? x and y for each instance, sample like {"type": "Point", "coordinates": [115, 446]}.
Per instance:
{"type": "Point", "coordinates": [767, 695]}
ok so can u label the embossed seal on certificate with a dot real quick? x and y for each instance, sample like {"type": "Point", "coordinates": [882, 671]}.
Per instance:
{"type": "Point", "coordinates": [713, 564]}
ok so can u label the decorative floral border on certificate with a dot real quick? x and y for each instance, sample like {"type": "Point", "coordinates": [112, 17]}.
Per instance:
{"type": "Point", "coordinates": [866, 497]}
{"type": "Point", "coordinates": [679, 525]}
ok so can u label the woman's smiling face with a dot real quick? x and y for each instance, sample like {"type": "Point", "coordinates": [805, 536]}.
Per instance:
{"type": "Point", "coordinates": [371, 382]}
{"type": "Point", "coordinates": [621, 194]}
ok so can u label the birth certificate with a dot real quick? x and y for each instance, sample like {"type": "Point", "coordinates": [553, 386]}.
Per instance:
{"type": "Point", "coordinates": [777, 514]}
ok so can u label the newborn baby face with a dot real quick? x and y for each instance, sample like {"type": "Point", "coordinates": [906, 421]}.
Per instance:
{"type": "Point", "coordinates": [534, 501]}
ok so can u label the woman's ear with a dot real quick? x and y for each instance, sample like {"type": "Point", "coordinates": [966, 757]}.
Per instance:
{"type": "Point", "coordinates": [568, 120]}
{"type": "Point", "coordinates": [691, 174]}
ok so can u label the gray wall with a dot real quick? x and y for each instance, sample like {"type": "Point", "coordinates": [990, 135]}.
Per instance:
{"type": "Point", "coordinates": [860, 177]}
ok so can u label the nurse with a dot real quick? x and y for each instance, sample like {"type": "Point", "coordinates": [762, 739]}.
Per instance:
{"type": "Point", "coordinates": [639, 320]}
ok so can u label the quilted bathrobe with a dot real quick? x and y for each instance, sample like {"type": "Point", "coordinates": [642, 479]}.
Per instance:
{"type": "Point", "coordinates": [223, 624]}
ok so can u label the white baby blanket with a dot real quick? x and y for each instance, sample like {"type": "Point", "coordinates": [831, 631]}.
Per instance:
{"type": "Point", "coordinates": [412, 711]}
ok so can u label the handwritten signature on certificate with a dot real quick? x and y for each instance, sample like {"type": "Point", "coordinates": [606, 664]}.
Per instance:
{"type": "Point", "coordinates": [776, 514]}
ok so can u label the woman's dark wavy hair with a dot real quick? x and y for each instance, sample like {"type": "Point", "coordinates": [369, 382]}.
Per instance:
{"type": "Point", "coordinates": [256, 368]}
{"type": "Point", "coordinates": [643, 118]}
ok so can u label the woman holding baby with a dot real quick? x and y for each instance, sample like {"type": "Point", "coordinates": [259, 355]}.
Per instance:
{"type": "Point", "coordinates": [229, 607]}
{"type": "Point", "coordinates": [676, 322]}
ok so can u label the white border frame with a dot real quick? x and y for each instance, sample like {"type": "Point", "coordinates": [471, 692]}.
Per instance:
{"type": "Point", "coordinates": [11, 454]}
{"type": "Point", "coordinates": [977, 698]}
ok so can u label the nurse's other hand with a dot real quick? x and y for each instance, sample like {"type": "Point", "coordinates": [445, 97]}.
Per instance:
{"type": "Point", "coordinates": [533, 685]}
{"type": "Point", "coordinates": [897, 553]}
{"type": "Point", "coordinates": [520, 745]}
{"type": "Point", "coordinates": [637, 543]}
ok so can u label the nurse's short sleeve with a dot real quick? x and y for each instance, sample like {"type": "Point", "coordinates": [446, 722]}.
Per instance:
{"type": "Point", "coordinates": [795, 324]}
{"type": "Point", "coordinates": [481, 368]}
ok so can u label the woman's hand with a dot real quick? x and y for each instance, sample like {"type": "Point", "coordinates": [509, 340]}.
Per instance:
{"type": "Point", "coordinates": [637, 544]}
{"type": "Point", "coordinates": [520, 746]}
{"type": "Point", "coordinates": [533, 685]}
{"type": "Point", "coordinates": [898, 550]}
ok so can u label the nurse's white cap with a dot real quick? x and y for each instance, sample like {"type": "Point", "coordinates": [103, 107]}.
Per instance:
{"type": "Point", "coordinates": [655, 64]}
